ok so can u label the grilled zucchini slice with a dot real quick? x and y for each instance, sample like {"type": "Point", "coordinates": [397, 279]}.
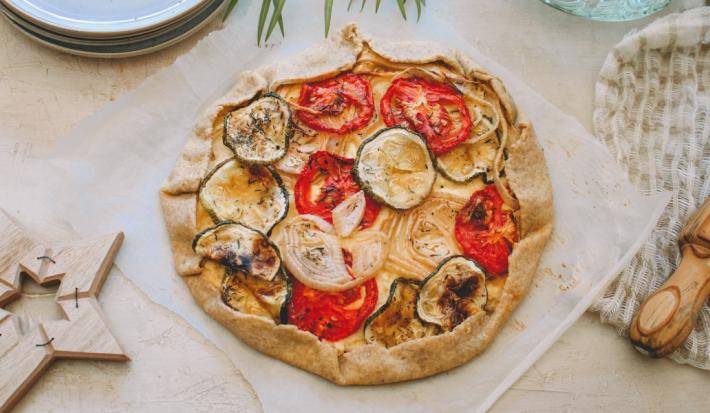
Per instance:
{"type": "Point", "coordinates": [468, 161]}
{"type": "Point", "coordinates": [397, 321]}
{"type": "Point", "coordinates": [452, 293]}
{"type": "Point", "coordinates": [251, 295]}
{"type": "Point", "coordinates": [239, 247]}
{"type": "Point", "coordinates": [260, 132]}
{"type": "Point", "coordinates": [395, 167]}
{"type": "Point", "coordinates": [252, 195]}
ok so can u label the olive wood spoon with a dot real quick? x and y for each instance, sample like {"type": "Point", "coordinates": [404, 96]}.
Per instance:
{"type": "Point", "coordinates": [668, 316]}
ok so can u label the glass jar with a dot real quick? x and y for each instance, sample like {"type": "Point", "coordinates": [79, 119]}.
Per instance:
{"type": "Point", "coordinates": [609, 10]}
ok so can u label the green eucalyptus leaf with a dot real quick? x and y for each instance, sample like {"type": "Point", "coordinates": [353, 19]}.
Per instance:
{"type": "Point", "coordinates": [275, 16]}
{"type": "Point", "coordinates": [228, 10]}
{"type": "Point", "coordinates": [402, 10]}
{"type": "Point", "coordinates": [262, 19]}
{"type": "Point", "coordinates": [281, 22]}
{"type": "Point", "coordinates": [328, 14]}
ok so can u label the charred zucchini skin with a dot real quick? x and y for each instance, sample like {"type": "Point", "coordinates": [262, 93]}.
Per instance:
{"type": "Point", "coordinates": [279, 182]}
{"type": "Point", "coordinates": [441, 265]}
{"type": "Point", "coordinates": [206, 230]}
{"type": "Point", "coordinates": [365, 187]}
{"type": "Point", "coordinates": [229, 222]}
{"type": "Point", "coordinates": [283, 314]}
{"type": "Point", "coordinates": [390, 300]}
{"type": "Point", "coordinates": [287, 138]}
{"type": "Point", "coordinates": [482, 174]}
{"type": "Point", "coordinates": [447, 259]}
{"type": "Point", "coordinates": [283, 310]}
{"type": "Point", "coordinates": [284, 193]}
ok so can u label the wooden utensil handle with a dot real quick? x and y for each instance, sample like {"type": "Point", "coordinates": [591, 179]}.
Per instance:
{"type": "Point", "coordinates": [668, 316]}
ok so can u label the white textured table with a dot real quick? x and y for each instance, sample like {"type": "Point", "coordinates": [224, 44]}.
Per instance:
{"type": "Point", "coordinates": [44, 93]}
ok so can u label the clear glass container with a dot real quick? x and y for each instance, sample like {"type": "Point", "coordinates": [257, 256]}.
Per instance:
{"type": "Point", "coordinates": [609, 10]}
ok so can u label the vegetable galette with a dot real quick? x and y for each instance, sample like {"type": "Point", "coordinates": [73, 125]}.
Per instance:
{"type": "Point", "coordinates": [368, 211]}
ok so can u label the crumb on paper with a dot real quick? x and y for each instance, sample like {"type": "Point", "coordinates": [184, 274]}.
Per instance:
{"type": "Point", "coordinates": [518, 325]}
{"type": "Point", "coordinates": [564, 282]}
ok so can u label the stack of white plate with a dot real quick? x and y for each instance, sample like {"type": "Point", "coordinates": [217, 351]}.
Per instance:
{"type": "Point", "coordinates": [109, 28]}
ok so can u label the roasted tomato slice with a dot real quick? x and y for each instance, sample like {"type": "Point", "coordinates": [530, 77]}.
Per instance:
{"type": "Point", "coordinates": [326, 181]}
{"type": "Point", "coordinates": [331, 316]}
{"type": "Point", "coordinates": [343, 104]}
{"type": "Point", "coordinates": [486, 230]}
{"type": "Point", "coordinates": [435, 110]}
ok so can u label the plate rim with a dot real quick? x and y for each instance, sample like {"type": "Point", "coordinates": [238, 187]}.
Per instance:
{"type": "Point", "coordinates": [110, 42]}
{"type": "Point", "coordinates": [129, 51]}
{"type": "Point", "coordinates": [85, 31]}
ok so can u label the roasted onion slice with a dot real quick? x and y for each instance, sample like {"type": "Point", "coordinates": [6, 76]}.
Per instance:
{"type": "Point", "coordinates": [301, 146]}
{"type": "Point", "coordinates": [348, 214]}
{"type": "Point", "coordinates": [452, 293]}
{"type": "Point", "coordinates": [423, 237]}
{"type": "Point", "coordinates": [368, 250]}
{"type": "Point", "coordinates": [313, 254]}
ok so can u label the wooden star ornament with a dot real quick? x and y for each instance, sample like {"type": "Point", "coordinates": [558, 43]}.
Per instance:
{"type": "Point", "coordinates": [81, 268]}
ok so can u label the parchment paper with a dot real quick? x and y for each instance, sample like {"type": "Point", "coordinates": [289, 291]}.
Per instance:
{"type": "Point", "coordinates": [106, 173]}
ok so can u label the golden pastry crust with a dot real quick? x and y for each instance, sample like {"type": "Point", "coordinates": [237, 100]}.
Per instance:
{"type": "Point", "coordinates": [526, 173]}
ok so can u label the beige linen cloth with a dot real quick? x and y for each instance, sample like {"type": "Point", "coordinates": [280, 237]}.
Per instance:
{"type": "Point", "coordinates": [652, 111]}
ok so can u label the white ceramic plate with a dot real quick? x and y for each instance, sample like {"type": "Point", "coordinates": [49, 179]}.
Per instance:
{"type": "Point", "coordinates": [159, 33]}
{"type": "Point", "coordinates": [101, 18]}
{"type": "Point", "coordinates": [112, 48]}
